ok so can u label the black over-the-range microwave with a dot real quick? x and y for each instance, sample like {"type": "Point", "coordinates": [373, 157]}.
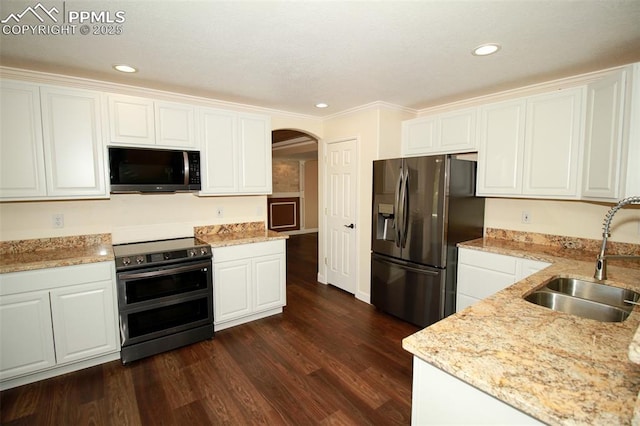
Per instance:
{"type": "Point", "coordinates": [153, 170]}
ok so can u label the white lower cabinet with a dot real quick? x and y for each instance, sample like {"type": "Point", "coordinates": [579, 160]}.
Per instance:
{"type": "Point", "coordinates": [249, 282]}
{"type": "Point", "coordinates": [27, 334]}
{"type": "Point", "coordinates": [481, 274]}
{"type": "Point", "coordinates": [439, 398]}
{"type": "Point", "coordinates": [56, 320]}
{"type": "Point", "coordinates": [84, 321]}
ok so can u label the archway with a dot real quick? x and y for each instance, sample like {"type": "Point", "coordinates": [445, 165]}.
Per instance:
{"type": "Point", "coordinates": [293, 205]}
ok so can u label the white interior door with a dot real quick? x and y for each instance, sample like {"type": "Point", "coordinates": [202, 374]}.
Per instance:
{"type": "Point", "coordinates": [341, 240]}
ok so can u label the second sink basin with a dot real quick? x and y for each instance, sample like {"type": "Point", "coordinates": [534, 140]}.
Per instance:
{"type": "Point", "coordinates": [600, 302]}
{"type": "Point", "coordinates": [580, 307]}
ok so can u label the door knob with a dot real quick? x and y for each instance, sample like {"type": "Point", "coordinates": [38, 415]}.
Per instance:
{"type": "Point", "coordinates": [351, 225]}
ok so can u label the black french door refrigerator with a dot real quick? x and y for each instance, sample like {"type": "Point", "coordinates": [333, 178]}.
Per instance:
{"type": "Point", "coordinates": [422, 207]}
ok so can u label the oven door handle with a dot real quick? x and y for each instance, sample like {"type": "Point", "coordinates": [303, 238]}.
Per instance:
{"type": "Point", "coordinates": [167, 271]}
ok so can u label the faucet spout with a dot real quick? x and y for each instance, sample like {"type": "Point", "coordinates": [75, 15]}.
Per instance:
{"type": "Point", "coordinates": [601, 261]}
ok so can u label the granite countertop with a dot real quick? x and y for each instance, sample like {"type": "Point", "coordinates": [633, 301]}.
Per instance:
{"type": "Point", "coordinates": [27, 255]}
{"type": "Point", "coordinates": [233, 234]}
{"type": "Point", "coordinates": [558, 368]}
{"type": "Point", "coordinates": [242, 237]}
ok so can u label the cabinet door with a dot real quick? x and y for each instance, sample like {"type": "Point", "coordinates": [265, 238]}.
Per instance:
{"type": "Point", "coordinates": [457, 131]}
{"type": "Point", "coordinates": [73, 144]}
{"type": "Point", "coordinates": [175, 125]}
{"type": "Point", "coordinates": [254, 137]}
{"type": "Point", "coordinates": [603, 137]}
{"type": "Point", "coordinates": [26, 334]}
{"type": "Point", "coordinates": [232, 290]}
{"type": "Point", "coordinates": [419, 135]}
{"type": "Point", "coordinates": [463, 301]}
{"type": "Point", "coordinates": [219, 150]}
{"type": "Point", "coordinates": [22, 171]}
{"type": "Point", "coordinates": [131, 120]}
{"type": "Point", "coordinates": [269, 280]}
{"type": "Point", "coordinates": [84, 321]}
{"type": "Point", "coordinates": [552, 144]}
{"type": "Point", "coordinates": [501, 150]}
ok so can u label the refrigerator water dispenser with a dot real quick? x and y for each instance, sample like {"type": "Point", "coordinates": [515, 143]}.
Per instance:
{"type": "Point", "coordinates": [386, 222]}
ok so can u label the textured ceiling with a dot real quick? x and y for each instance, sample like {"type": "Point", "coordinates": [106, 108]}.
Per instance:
{"type": "Point", "coordinates": [290, 55]}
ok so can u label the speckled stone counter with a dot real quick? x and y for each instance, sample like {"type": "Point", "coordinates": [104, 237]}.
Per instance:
{"type": "Point", "coordinates": [558, 368]}
{"type": "Point", "coordinates": [26, 255]}
{"type": "Point", "coordinates": [237, 233]}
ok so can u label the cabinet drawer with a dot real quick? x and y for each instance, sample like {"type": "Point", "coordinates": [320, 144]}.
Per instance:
{"type": "Point", "coordinates": [480, 283]}
{"type": "Point", "coordinates": [245, 251]}
{"type": "Point", "coordinates": [42, 279]}
{"type": "Point", "coordinates": [492, 261]}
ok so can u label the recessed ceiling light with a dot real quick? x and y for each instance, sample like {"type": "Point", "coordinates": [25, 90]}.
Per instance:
{"type": "Point", "coordinates": [486, 49]}
{"type": "Point", "coordinates": [321, 105]}
{"type": "Point", "coordinates": [124, 68]}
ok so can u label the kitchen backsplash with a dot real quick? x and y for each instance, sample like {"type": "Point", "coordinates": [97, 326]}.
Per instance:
{"type": "Point", "coordinates": [54, 243]}
{"type": "Point", "coordinates": [228, 228]}
{"type": "Point", "coordinates": [585, 244]}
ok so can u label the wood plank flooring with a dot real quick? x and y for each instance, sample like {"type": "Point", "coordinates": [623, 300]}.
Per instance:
{"type": "Point", "coordinates": [328, 359]}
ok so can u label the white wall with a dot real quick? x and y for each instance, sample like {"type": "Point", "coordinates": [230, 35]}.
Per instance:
{"type": "Point", "coordinates": [129, 217]}
{"type": "Point", "coordinates": [367, 125]}
{"type": "Point", "coordinates": [567, 218]}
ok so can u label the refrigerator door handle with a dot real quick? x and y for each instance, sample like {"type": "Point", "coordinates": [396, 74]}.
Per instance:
{"type": "Point", "coordinates": [397, 223]}
{"type": "Point", "coordinates": [405, 207]}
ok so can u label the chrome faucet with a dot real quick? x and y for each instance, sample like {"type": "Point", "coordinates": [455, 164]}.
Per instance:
{"type": "Point", "coordinates": [601, 263]}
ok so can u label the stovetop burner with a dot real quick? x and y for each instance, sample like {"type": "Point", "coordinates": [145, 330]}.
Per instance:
{"type": "Point", "coordinates": [160, 252]}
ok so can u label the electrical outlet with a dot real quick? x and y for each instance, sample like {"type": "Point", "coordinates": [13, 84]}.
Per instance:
{"type": "Point", "coordinates": [526, 217]}
{"type": "Point", "coordinates": [57, 220]}
{"type": "Point", "coordinates": [219, 212]}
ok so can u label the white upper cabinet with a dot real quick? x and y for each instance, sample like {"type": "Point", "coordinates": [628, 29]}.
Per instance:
{"type": "Point", "coordinates": [143, 121]}
{"type": "Point", "coordinates": [501, 150]}
{"type": "Point", "coordinates": [449, 132]}
{"type": "Point", "coordinates": [552, 144]}
{"type": "Point", "coordinates": [131, 120]}
{"type": "Point", "coordinates": [73, 144]}
{"type": "Point", "coordinates": [530, 147]}
{"type": "Point", "coordinates": [255, 153]}
{"type": "Point", "coordinates": [235, 152]}
{"type": "Point", "coordinates": [612, 148]}
{"type": "Point", "coordinates": [52, 143]}
{"type": "Point", "coordinates": [419, 136]}
{"type": "Point", "coordinates": [22, 172]}
{"type": "Point", "coordinates": [175, 125]}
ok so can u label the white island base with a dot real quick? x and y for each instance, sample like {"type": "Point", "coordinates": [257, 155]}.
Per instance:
{"type": "Point", "coordinates": [440, 399]}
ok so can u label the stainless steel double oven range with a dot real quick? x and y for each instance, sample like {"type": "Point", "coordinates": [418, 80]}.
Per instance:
{"type": "Point", "coordinates": [165, 295]}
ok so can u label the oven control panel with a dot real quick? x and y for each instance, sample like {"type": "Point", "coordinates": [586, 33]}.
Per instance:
{"type": "Point", "coordinates": [160, 252]}
{"type": "Point", "coordinates": [149, 259]}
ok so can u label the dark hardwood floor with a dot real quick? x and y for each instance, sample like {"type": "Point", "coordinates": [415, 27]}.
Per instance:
{"type": "Point", "coordinates": [328, 359]}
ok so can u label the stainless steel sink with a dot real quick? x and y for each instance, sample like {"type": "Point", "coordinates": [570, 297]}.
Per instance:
{"type": "Point", "coordinates": [577, 306]}
{"type": "Point", "coordinates": [593, 291]}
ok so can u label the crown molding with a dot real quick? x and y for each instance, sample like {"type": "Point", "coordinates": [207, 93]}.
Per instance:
{"type": "Point", "coordinates": [371, 106]}
{"type": "Point", "coordinates": [533, 89]}
{"type": "Point", "coordinates": [99, 85]}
